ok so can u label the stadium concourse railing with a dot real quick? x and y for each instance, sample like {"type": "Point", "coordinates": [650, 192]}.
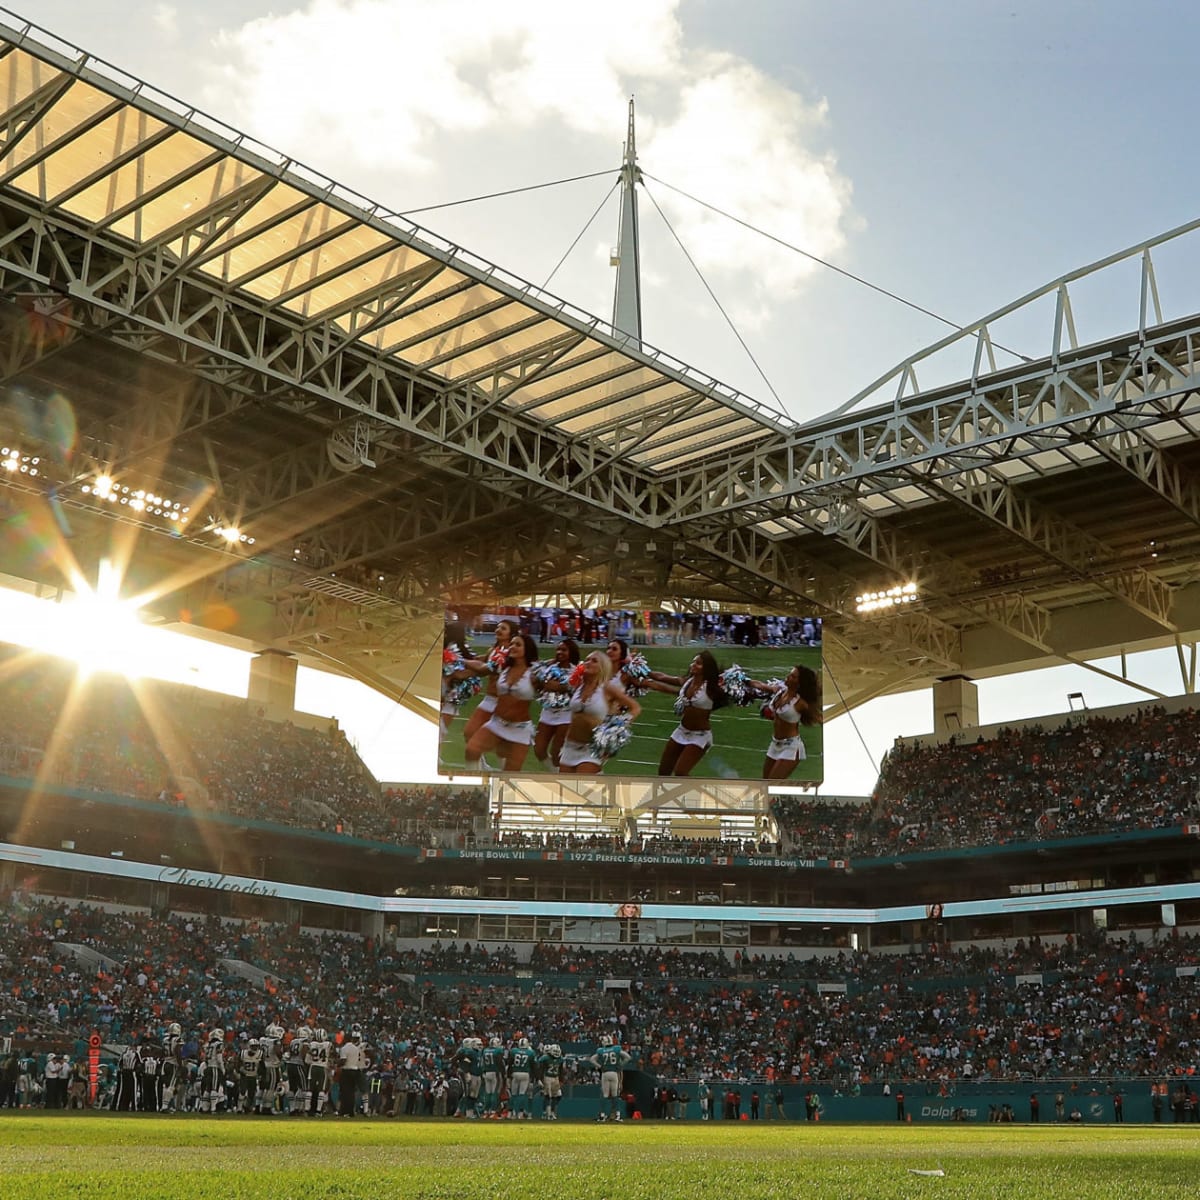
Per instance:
{"type": "Point", "coordinates": [1088, 1100]}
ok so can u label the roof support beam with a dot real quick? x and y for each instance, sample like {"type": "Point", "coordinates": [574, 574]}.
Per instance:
{"type": "Point", "coordinates": [1082, 554]}
{"type": "Point", "coordinates": [934, 573]}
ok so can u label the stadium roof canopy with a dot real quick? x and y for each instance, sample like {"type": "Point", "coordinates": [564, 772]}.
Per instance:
{"type": "Point", "coordinates": [320, 421]}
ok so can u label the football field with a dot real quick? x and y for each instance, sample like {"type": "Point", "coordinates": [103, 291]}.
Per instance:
{"type": "Point", "coordinates": [110, 1157]}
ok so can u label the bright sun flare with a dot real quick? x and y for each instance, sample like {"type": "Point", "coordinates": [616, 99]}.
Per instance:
{"type": "Point", "coordinates": [102, 632]}
{"type": "Point", "coordinates": [93, 627]}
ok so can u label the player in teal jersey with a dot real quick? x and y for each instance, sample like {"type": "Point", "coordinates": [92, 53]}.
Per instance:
{"type": "Point", "coordinates": [610, 1061]}
{"type": "Point", "coordinates": [550, 1066]}
{"type": "Point", "coordinates": [469, 1061]}
{"type": "Point", "coordinates": [521, 1063]}
{"type": "Point", "coordinates": [494, 1061]}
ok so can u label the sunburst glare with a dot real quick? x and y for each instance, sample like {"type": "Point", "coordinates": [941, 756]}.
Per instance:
{"type": "Point", "coordinates": [102, 631]}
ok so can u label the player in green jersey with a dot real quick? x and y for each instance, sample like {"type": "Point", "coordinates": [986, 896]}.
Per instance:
{"type": "Point", "coordinates": [493, 1073]}
{"type": "Point", "coordinates": [522, 1061]}
{"type": "Point", "coordinates": [469, 1060]}
{"type": "Point", "coordinates": [550, 1066]}
{"type": "Point", "coordinates": [610, 1060]}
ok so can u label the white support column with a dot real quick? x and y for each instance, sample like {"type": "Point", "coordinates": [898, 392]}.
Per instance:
{"type": "Point", "coordinates": [273, 683]}
{"type": "Point", "coordinates": [955, 704]}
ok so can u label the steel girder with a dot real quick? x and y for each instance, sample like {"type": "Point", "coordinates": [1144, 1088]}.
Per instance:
{"type": "Point", "coordinates": [250, 354]}
{"type": "Point", "coordinates": [1085, 556]}
{"type": "Point", "coordinates": [155, 309]}
{"type": "Point", "coordinates": [1132, 450]}
{"type": "Point", "coordinates": [226, 337]}
{"type": "Point", "coordinates": [176, 318]}
{"type": "Point", "coordinates": [936, 573]}
{"type": "Point", "coordinates": [1008, 416]}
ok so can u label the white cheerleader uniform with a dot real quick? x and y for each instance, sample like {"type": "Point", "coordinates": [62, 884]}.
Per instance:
{"type": "Point", "coordinates": [577, 754]}
{"type": "Point", "coordinates": [694, 737]}
{"type": "Point", "coordinates": [519, 732]}
{"type": "Point", "coordinates": [556, 709]}
{"type": "Point", "coordinates": [496, 659]}
{"type": "Point", "coordinates": [786, 749]}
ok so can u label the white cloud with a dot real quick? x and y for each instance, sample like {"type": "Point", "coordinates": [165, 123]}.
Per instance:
{"type": "Point", "coordinates": [166, 20]}
{"type": "Point", "coordinates": [404, 86]}
{"type": "Point", "coordinates": [738, 143]}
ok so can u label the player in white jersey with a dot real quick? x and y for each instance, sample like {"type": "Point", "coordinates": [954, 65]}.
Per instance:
{"type": "Point", "coordinates": [172, 1068]}
{"type": "Point", "coordinates": [212, 1078]}
{"type": "Point", "coordinates": [250, 1058]}
{"type": "Point", "coordinates": [270, 1078]}
{"type": "Point", "coordinates": [318, 1057]}
{"type": "Point", "coordinates": [296, 1071]}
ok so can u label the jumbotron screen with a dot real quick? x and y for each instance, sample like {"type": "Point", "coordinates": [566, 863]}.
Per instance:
{"type": "Point", "coordinates": [711, 695]}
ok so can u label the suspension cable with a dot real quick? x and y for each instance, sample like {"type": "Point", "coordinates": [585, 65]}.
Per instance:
{"type": "Point", "coordinates": [832, 266]}
{"type": "Point", "coordinates": [713, 297]}
{"type": "Point", "coordinates": [580, 234]}
{"type": "Point", "coordinates": [850, 713]}
{"type": "Point", "coordinates": [533, 187]}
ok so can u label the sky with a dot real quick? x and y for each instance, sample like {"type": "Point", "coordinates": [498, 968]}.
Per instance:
{"type": "Point", "coordinates": [955, 155]}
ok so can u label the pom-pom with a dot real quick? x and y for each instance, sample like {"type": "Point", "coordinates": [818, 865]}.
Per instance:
{"type": "Point", "coordinates": [734, 682]}
{"type": "Point", "coordinates": [679, 705]}
{"type": "Point", "coordinates": [576, 676]}
{"type": "Point", "coordinates": [457, 691]}
{"type": "Point", "coordinates": [497, 659]}
{"type": "Point", "coordinates": [556, 675]}
{"type": "Point", "coordinates": [611, 736]}
{"type": "Point", "coordinates": [634, 674]}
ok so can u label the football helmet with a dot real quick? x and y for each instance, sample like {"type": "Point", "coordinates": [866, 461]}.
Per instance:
{"type": "Point", "coordinates": [320, 1035]}
{"type": "Point", "coordinates": [523, 1043]}
{"type": "Point", "coordinates": [554, 1050]}
{"type": "Point", "coordinates": [174, 1029]}
{"type": "Point", "coordinates": [495, 1043]}
{"type": "Point", "coordinates": [216, 1035]}
{"type": "Point", "coordinates": [275, 1032]}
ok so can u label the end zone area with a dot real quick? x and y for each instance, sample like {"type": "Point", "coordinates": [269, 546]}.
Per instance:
{"type": "Point", "coordinates": [152, 1158]}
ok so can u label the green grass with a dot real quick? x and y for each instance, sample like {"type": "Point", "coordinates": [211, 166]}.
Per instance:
{"type": "Point", "coordinates": [147, 1158]}
{"type": "Point", "coordinates": [740, 734]}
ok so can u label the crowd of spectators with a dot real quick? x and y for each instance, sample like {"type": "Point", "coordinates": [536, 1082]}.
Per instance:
{"type": "Point", "coordinates": [162, 743]}
{"type": "Point", "coordinates": [1094, 775]}
{"type": "Point", "coordinates": [1097, 1009]}
{"type": "Point", "coordinates": [817, 828]}
{"type": "Point", "coordinates": [158, 742]}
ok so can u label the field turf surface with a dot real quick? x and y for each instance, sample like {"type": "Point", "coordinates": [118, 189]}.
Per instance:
{"type": "Point", "coordinates": [740, 734]}
{"type": "Point", "coordinates": [110, 1157]}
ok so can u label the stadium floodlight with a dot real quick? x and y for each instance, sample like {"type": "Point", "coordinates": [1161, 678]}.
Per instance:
{"type": "Point", "coordinates": [892, 597]}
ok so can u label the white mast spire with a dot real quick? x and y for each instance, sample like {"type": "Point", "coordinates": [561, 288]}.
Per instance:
{"type": "Point", "coordinates": [627, 298]}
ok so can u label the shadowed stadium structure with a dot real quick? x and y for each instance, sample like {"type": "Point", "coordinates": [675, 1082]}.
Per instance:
{"type": "Point", "coordinates": [304, 425]}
